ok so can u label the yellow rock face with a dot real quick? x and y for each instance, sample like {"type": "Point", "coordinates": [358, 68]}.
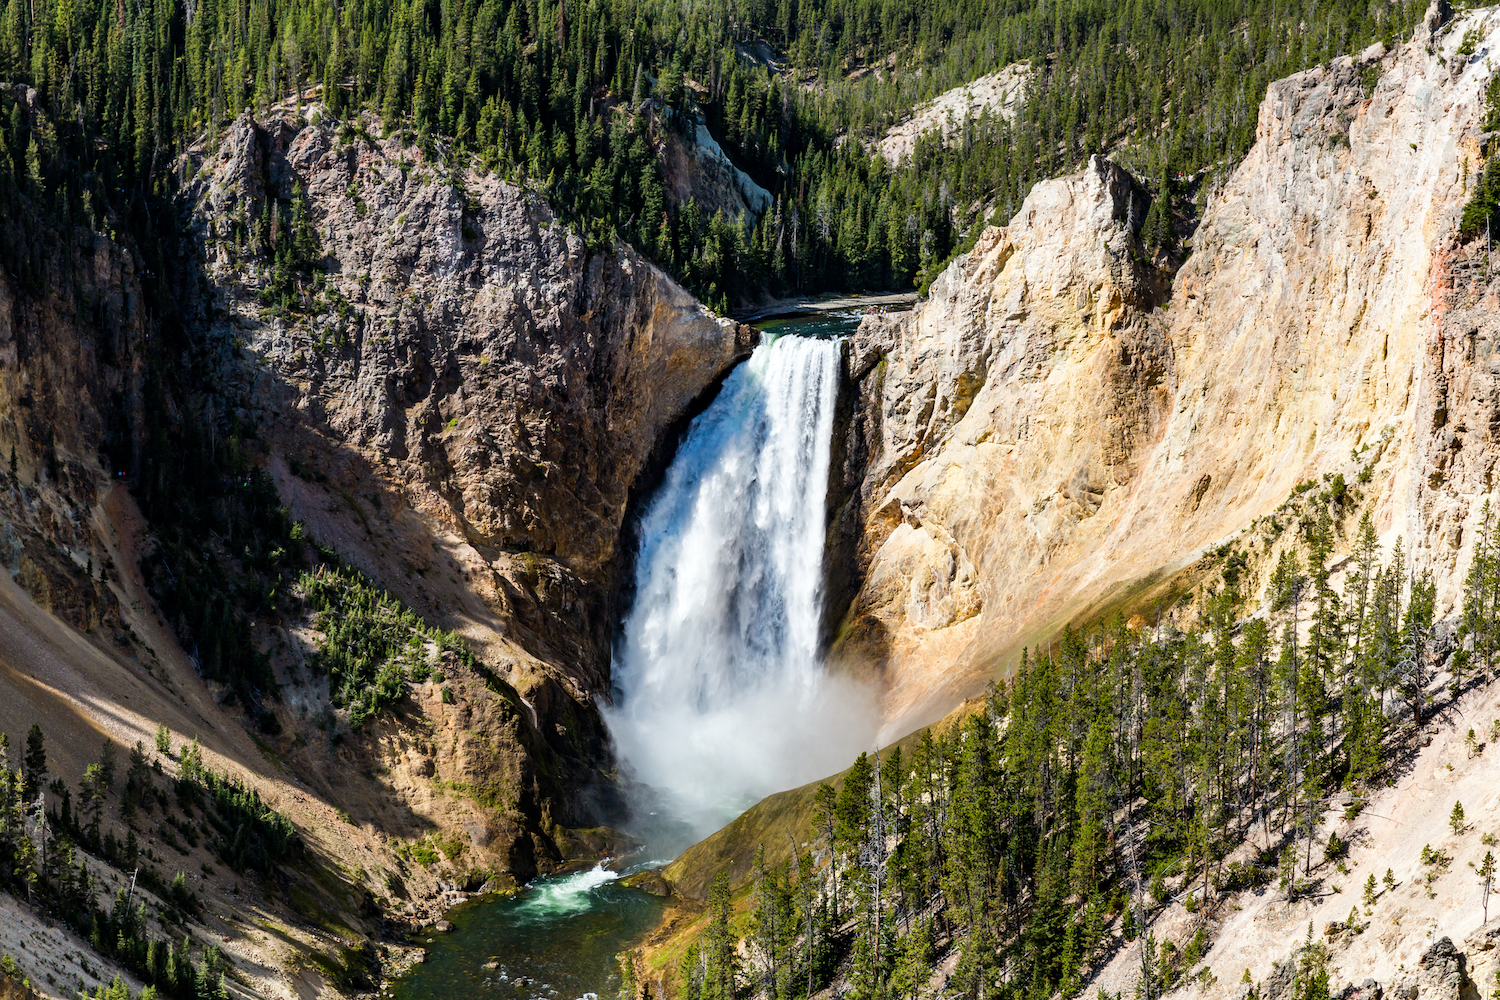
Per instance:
{"type": "Point", "coordinates": [1057, 427]}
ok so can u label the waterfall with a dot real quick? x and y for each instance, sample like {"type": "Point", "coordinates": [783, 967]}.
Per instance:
{"type": "Point", "coordinates": [721, 698]}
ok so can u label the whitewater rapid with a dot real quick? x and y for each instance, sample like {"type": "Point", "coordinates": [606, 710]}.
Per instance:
{"type": "Point", "coordinates": [551, 899]}
{"type": "Point", "coordinates": [721, 696]}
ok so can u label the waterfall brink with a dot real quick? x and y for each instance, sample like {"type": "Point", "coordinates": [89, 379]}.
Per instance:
{"type": "Point", "coordinates": [721, 695]}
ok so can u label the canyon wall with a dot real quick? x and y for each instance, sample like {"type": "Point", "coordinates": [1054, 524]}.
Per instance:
{"type": "Point", "coordinates": [1055, 434]}
{"type": "Point", "coordinates": [462, 412]}
{"type": "Point", "coordinates": [507, 380]}
{"type": "Point", "coordinates": [458, 396]}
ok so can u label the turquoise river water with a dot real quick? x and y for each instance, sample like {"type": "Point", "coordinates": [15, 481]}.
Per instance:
{"type": "Point", "coordinates": [556, 941]}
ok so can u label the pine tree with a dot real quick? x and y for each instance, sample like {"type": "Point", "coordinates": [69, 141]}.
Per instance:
{"type": "Point", "coordinates": [720, 960]}
{"type": "Point", "coordinates": [190, 766]}
{"type": "Point", "coordinates": [773, 924]}
{"type": "Point", "coordinates": [1416, 636]}
{"type": "Point", "coordinates": [1486, 873]}
{"type": "Point", "coordinates": [34, 763]}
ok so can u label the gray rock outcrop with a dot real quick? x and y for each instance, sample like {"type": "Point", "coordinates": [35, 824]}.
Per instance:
{"type": "Point", "coordinates": [1441, 974]}
{"type": "Point", "coordinates": [696, 168]}
{"type": "Point", "coordinates": [459, 398]}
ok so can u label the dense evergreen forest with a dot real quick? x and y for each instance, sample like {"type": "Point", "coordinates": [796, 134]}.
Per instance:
{"type": "Point", "coordinates": [1116, 772]}
{"type": "Point", "coordinates": [574, 96]}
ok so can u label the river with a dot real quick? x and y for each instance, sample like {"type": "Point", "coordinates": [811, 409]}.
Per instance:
{"type": "Point", "coordinates": [557, 940]}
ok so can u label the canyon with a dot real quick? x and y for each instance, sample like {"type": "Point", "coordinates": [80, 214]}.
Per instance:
{"type": "Point", "coordinates": [473, 400]}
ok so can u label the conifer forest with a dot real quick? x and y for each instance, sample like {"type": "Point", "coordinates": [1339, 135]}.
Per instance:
{"type": "Point", "coordinates": [571, 100]}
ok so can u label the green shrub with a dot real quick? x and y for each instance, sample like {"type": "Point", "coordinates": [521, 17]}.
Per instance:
{"type": "Point", "coordinates": [372, 644]}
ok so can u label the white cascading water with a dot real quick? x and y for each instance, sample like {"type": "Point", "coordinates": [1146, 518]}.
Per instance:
{"type": "Point", "coordinates": [563, 897]}
{"type": "Point", "coordinates": [721, 696]}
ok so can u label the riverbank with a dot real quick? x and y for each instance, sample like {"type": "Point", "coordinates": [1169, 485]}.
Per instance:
{"type": "Point", "coordinates": [827, 303]}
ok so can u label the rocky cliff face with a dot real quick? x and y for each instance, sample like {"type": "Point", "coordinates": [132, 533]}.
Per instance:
{"type": "Point", "coordinates": [452, 393]}
{"type": "Point", "coordinates": [72, 324]}
{"type": "Point", "coordinates": [1005, 420]}
{"type": "Point", "coordinates": [509, 382]}
{"type": "Point", "coordinates": [52, 434]}
{"type": "Point", "coordinates": [1050, 435]}
{"type": "Point", "coordinates": [461, 411]}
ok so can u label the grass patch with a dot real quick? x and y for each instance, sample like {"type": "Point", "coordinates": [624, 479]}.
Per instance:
{"type": "Point", "coordinates": [422, 852]}
{"type": "Point", "coordinates": [492, 795]}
